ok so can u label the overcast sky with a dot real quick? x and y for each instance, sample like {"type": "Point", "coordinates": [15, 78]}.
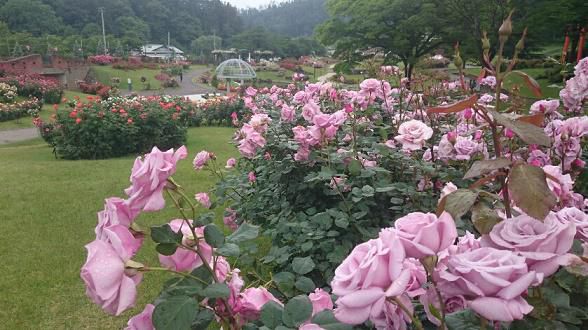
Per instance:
{"type": "Point", "coordinates": [251, 3]}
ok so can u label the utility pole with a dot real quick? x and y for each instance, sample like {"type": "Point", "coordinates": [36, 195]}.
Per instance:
{"type": "Point", "coordinates": [168, 39]}
{"type": "Point", "coordinates": [103, 30]}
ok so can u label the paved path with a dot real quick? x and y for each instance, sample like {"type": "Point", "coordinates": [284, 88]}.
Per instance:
{"type": "Point", "coordinates": [190, 85]}
{"type": "Point", "coordinates": [17, 135]}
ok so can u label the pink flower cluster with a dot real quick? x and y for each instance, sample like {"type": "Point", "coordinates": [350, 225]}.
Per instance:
{"type": "Point", "coordinates": [250, 137]}
{"type": "Point", "coordinates": [576, 90]}
{"type": "Point", "coordinates": [109, 273]}
{"type": "Point", "coordinates": [567, 136]}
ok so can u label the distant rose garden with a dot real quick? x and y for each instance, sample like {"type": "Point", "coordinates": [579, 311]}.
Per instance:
{"type": "Point", "coordinates": [385, 207]}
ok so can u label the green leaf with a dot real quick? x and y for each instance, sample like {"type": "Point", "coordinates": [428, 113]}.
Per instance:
{"type": "Point", "coordinates": [217, 290]}
{"type": "Point", "coordinates": [213, 236]}
{"type": "Point", "coordinates": [462, 320]}
{"type": "Point", "coordinates": [175, 312]}
{"type": "Point", "coordinates": [229, 250]}
{"type": "Point", "coordinates": [326, 320]}
{"type": "Point", "coordinates": [342, 221]}
{"type": "Point", "coordinates": [302, 265]}
{"type": "Point", "coordinates": [482, 167]}
{"type": "Point", "coordinates": [166, 249]}
{"type": "Point", "coordinates": [308, 245]}
{"type": "Point", "coordinates": [354, 167]}
{"type": "Point", "coordinates": [529, 190]}
{"type": "Point", "coordinates": [304, 284]}
{"type": "Point", "coordinates": [245, 232]}
{"type": "Point", "coordinates": [527, 132]}
{"type": "Point", "coordinates": [285, 282]}
{"type": "Point", "coordinates": [271, 314]}
{"type": "Point", "coordinates": [203, 319]}
{"type": "Point", "coordinates": [204, 219]}
{"type": "Point", "coordinates": [457, 203]}
{"type": "Point", "coordinates": [165, 235]}
{"type": "Point", "coordinates": [367, 191]}
{"type": "Point", "coordinates": [297, 311]}
{"type": "Point", "coordinates": [484, 218]}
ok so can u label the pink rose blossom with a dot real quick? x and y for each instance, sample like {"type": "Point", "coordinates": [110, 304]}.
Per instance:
{"type": "Point", "coordinates": [578, 218]}
{"type": "Point", "coordinates": [287, 114]}
{"type": "Point", "coordinates": [418, 277]}
{"type": "Point", "coordinates": [222, 268]}
{"type": "Point", "coordinates": [231, 162]}
{"type": "Point", "coordinates": [143, 320]}
{"type": "Point", "coordinates": [116, 212]}
{"type": "Point", "coordinates": [203, 199]}
{"type": "Point", "coordinates": [320, 300]}
{"type": "Point", "coordinates": [201, 159]}
{"type": "Point", "coordinates": [252, 301]}
{"type": "Point", "coordinates": [310, 326]}
{"type": "Point", "coordinates": [251, 177]}
{"type": "Point", "coordinates": [423, 234]}
{"type": "Point", "coordinates": [452, 304]}
{"type": "Point", "coordinates": [183, 259]}
{"type": "Point", "coordinates": [413, 134]}
{"type": "Point", "coordinates": [107, 282]}
{"type": "Point", "coordinates": [491, 280]}
{"type": "Point", "coordinates": [543, 244]}
{"type": "Point", "coordinates": [230, 219]}
{"type": "Point", "coordinates": [149, 177]}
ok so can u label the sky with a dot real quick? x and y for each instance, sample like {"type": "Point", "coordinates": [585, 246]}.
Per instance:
{"type": "Point", "coordinates": [250, 3]}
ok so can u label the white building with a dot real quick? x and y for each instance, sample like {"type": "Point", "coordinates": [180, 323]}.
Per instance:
{"type": "Point", "coordinates": [162, 52]}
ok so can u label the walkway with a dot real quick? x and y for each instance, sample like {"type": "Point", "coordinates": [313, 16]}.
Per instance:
{"type": "Point", "coordinates": [17, 135]}
{"type": "Point", "coordinates": [190, 85]}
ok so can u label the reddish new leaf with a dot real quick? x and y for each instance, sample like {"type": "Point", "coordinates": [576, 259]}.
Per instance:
{"type": "Point", "coordinates": [482, 167]}
{"type": "Point", "coordinates": [527, 132]}
{"type": "Point", "coordinates": [529, 191]}
{"type": "Point", "coordinates": [457, 203]}
{"type": "Point", "coordinates": [536, 119]}
{"type": "Point", "coordinates": [456, 107]}
{"type": "Point", "coordinates": [530, 82]}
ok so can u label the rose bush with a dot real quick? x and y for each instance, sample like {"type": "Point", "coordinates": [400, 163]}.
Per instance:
{"type": "Point", "coordinates": [345, 202]}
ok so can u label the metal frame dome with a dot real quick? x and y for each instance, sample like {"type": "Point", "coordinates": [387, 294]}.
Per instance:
{"type": "Point", "coordinates": [235, 69]}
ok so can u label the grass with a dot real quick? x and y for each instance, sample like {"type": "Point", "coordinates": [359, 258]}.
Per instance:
{"type": "Point", "coordinates": [46, 111]}
{"type": "Point", "coordinates": [104, 74]}
{"type": "Point", "coordinates": [48, 210]}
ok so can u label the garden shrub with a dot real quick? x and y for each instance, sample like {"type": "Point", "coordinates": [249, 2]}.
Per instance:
{"type": "Point", "coordinates": [10, 111]}
{"type": "Point", "coordinates": [102, 59]}
{"type": "Point", "coordinates": [7, 93]}
{"type": "Point", "coordinates": [47, 90]}
{"type": "Point", "coordinates": [117, 127]}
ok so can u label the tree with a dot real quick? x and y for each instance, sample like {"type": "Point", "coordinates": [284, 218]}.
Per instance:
{"type": "Point", "coordinates": [204, 45]}
{"type": "Point", "coordinates": [31, 16]}
{"type": "Point", "coordinates": [403, 29]}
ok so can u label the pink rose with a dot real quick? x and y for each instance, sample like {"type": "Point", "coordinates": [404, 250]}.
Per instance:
{"type": "Point", "coordinates": [142, 321]}
{"type": "Point", "coordinates": [203, 199]}
{"type": "Point", "coordinates": [310, 326]}
{"type": "Point", "coordinates": [116, 212]}
{"type": "Point", "coordinates": [373, 271]}
{"type": "Point", "coordinates": [107, 282]}
{"type": "Point", "coordinates": [465, 148]}
{"type": "Point", "coordinates": [252, 301]}
{"type": "Point", "coordinates": [122, 240]}
{"type": "Point", "coordinates": [251, 177]}
{"type": "Point", "coordinates": [201, 159]}
{"type": "Point", "coordinates": [413, 134]}
{"type": "Point", "coordinates": [424, 234]}
{"type": "Point", "coordinates": [452, 305]}
{"type": "Point", "coordinates": [287, 114]}
{"type": "Point", "coordinates": [250, 91]}
{"type": "Point", "coordinates": [183, 259]}
{"type": "Point", "coordinates": [447, 189]}
{"type": "Point", "coordinates": [491, 280]}
{"type": "Point", "coordinates": [547, 107]}
{"type": "Point", "coordinates": [230, 219]}
{"type": "Point", "coordinates": [578, 218]}
{"type": "Point", "coordinates": [543, 244]}
{"type": "Point", "coordinates": [418, 277]}
{"type": "Point", "coordinates": [231, 162]}
{"type": "Point", "coordinates": [149, 177]}
{"type": "Point", "coordinates": [320, 300]}
{"type": "Point", "coordinates": [222, 268]}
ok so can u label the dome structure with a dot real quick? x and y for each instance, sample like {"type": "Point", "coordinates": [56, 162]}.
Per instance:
{"type": "Point", "coordinates": [236, 69]}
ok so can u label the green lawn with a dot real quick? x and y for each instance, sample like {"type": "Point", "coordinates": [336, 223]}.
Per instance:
{"type": "Point", "coordinates": [104, 74]}
{"type": "Point", "coordinates": [48, 208]}
{"type": "Point", "coordinates": [46, 112]}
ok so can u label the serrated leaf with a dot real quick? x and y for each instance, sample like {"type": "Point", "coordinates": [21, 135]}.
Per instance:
{"type": "Point", "coordinates": [271, 314]}
{"type": "Point", "coordinates": [165, 235]}
{"type": "Point", "coordinates": [529, 191]}
{"type": "Point", "coordinates": [304, 284]}
{"type": "Point", "coordinates": [213, 236]}
{"type": "Point", "coordinates": [216, 290]}
{"type": "Point", "coordinates": [457, 203]}
{"type": "Point", "coordinates": [203, 319]}
{"type": "Point", "coordinates": [484, 218]}
{"type": "Point", "coordinates": [229, 250]}
{"type": "Point", "coordinates": [456, 107]}
{"type": "Point", "coordinates": [245, 232]}
{"type": "Point", "coordinates": [527, 132]}
{"type": "Point", "coordinates": [482, 167]}
{"type": "Point", "coordinates": [297, 311]}
{"type": "Point", "coordinates": [303, 265]}
{"type": "Point", "coordinates": [175, 312]}
{"type": "Point", "coordinates": [462, 320]}
{"type": "Point", "coordinates": [531, 83]}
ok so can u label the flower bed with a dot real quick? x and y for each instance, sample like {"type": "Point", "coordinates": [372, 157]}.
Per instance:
{"type": "Point", "coordinates": [117, 127]}
{"type": "Point", "coordinates": [32, 85]}
{"type": "Point", "coordinates": [386, 208]}
{"type": "Point", "coordinates": [97, 88]}
{"type": "Point", "coordinates": [7, 93]}
{"type": "Point", "coordinates": [10, 111]}
{"type": "Point", "coordinates": [102, 59]}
